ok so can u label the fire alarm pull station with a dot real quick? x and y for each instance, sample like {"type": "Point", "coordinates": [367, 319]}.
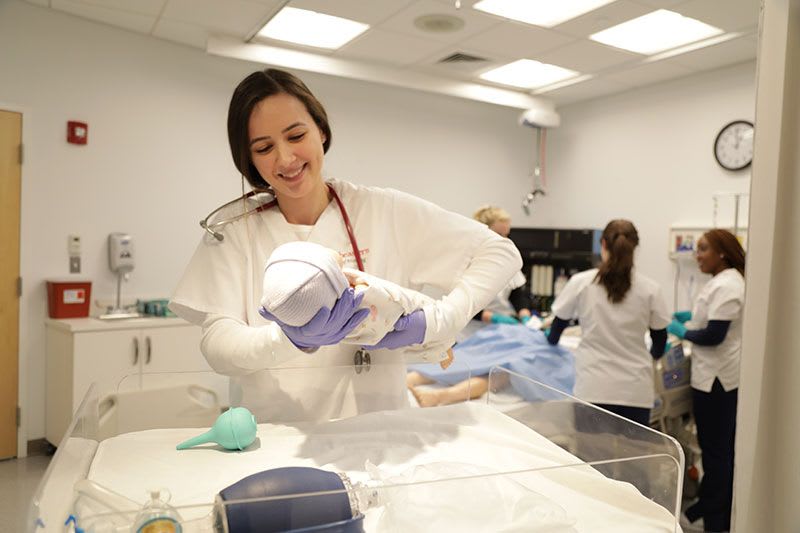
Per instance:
{"type": "Point", "coordinates": [77, 132]}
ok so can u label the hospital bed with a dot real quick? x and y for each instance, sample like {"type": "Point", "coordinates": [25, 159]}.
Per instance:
{"type": "Point", "coordinates": [553, 464]}
{"type": "Point", "coordinates": [671, 373]}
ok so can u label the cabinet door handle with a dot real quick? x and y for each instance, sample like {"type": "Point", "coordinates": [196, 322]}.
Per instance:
{"type": "Point", "coordinates": [135, 351]}
{"type": "Point", "coordinates": [149, 346]}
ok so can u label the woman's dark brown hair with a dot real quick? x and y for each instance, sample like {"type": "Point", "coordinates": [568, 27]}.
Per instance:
{"type": "Point", "coordinates": [251, 91]}
{"type": "Point", "coordinates": [727, 245]}
{"type": "Point", "coordinates": [615, 274]}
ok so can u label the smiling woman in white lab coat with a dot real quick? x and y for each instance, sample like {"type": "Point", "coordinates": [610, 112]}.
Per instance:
{"type": "Point", "coordinates": [714, 327]}
{"type": "Point", "coordinates": [278, 133]}
{"type": "Point", "coordinates": [615, 306]}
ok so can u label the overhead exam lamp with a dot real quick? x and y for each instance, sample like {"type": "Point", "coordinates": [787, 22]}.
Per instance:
{"type": "Point", "coordinates": [540, 120]}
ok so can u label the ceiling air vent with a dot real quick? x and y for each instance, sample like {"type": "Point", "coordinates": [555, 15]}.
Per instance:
{"type": "Point", "coordinates": [460, 57]}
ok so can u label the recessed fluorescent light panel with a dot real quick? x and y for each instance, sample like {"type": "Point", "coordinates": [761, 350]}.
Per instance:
{"type": "Point", "coordinates": [528, 74]}
{"type": "Point", "coordinates": [547, 13]}
{"type": "Point", "coordinates": [655, 32]}
{"type": "Point", "coordinates": [310, 28]}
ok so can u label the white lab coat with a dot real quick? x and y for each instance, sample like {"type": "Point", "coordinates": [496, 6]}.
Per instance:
{"type": "Point", "coordinates": [500, 303]}
{"type": "Point", "coordinates": [401, 238]}
{"type": "Point", "coordinates": [722, 298]}
{"type": "Point", "coordinates": [612, 363]}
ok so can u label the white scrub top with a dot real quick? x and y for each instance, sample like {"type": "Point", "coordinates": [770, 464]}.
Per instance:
{"type": "Point", "coordinates": [401, 238]}
{"type": "Point", "coordinates": [722, 298]}
{"type": "Point", "coordinates": [612, 363]}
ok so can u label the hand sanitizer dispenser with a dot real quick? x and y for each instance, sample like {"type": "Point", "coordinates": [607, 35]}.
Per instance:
{"type": "Point", "coordinates": [120, 261]}
{"type": "Point", "coordinates": [120, 253]}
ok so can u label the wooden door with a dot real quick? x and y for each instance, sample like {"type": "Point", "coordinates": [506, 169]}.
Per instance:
{"type": "Point", "coordinates": [10, 189]}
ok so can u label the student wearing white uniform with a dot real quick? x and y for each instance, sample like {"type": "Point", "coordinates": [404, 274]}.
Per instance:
{"type": "Point", "coordinates": [615, 306]}
{"type": "Point", "coordinates": [714, 327]}
{"type": "Point", "coordinates": [513, 303]}
{"type": "Point", "coordinates": [278, 133]}
{"type": "Point", "coordinates": [510, 306]}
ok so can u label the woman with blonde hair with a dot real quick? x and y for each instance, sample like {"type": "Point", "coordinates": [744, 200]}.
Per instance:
{"type": "Point", "coordinates": [513, 304]}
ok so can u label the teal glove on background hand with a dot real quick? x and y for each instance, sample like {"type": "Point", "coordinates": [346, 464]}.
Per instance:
{"type": "Point", "coordinates": [677, 329]}
{"type": "Point", "coordinates": [497, 318]}
{"type": "Point", "coordinates": [682, 316]}
{"type": "Point", "coordinates": [667, 347]}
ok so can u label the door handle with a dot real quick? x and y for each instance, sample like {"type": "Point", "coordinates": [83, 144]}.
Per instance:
{"type": "Point", "coordinates": [149, 347]}
{"type": "Point", "coordinates": [135, 351]}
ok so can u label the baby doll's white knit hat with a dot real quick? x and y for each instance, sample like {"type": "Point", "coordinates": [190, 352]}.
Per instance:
{"type": "Point", "coordinates": [299, 279]}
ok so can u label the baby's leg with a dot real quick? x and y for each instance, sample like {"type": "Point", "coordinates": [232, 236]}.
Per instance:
{"type": "Point", "coordinates": [415, 378]}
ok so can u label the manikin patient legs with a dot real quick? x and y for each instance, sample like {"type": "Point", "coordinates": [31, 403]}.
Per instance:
{"type": "Point", "coordinates": [466, 390]}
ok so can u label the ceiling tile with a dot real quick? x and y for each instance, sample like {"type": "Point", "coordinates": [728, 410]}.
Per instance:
{"type": "Point", "coordinates": [181, 32]}
{"type": "Point", "coordinates": [43, 3]}
{"type": "Point", "coordinates": [648, 73]}
{"type": "Point", "coordinates": [731, 15]}
{"type": "Point", "coordinates": [586, 90]}
{"type": "Point", "coordinates": [602, 18]}
{"type": "Point", "coordinates": [366, 11]}
{"type": "Point", "coordinates": [517, 40]}
{"type": "Point", "coordinates": [403, 22]}
{"type": "Point", "coordinates": [389, 47]}
{"type": "Point", "coordinates": [711, 57]}
{"type": "Point", "coordinates": [587, 56]}
{"type": "Point", "coordinates": [113, 17]}
{"type": "Point", "coordinates": [234, 17]}
{"type": "Point", "coordinates": [143, 7]}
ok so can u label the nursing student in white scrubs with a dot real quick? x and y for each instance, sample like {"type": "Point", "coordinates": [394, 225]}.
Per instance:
{"type": "Point", "coordinates": [512, 304]}
{"type": "Point", "coordinates": [714, 327]}
{"type": "Point", "coordinates": [278, 133]}
{"type": "Point", "coordinates": [615, 306]}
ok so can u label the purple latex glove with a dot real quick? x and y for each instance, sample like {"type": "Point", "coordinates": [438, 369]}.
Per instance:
{"type": "Point", "coordinates": [408, 330]}
{"type": "Point", "coordinates": [329, 326]}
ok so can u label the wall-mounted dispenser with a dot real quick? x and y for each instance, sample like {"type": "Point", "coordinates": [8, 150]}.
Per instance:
{"type": "Point", "coordinates": [121, 262]}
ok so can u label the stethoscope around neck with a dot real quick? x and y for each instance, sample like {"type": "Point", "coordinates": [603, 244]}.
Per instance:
{"type": "Point", "coordinates": [362, 360]}
{"type": "Point", "coordinates": [267, 200]}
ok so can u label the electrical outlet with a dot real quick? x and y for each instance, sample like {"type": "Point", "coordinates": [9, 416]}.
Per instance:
{"type": "Point", "coordinates": [75, 264]}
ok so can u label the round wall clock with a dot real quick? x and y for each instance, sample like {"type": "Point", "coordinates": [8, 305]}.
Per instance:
{"type": "Point", "coordinates": [733, 147]}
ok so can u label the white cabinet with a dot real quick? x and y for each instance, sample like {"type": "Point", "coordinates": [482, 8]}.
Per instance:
{"type": "Point", "coordinates": [87, 350]}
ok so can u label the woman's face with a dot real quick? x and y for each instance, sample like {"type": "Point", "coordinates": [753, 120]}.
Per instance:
{"type": "Point", "coordinates": [286, 146]}
{"type": "Point", "coordinates": [501, 227]}
{"type": "Point", "coordinates": [708, 259]}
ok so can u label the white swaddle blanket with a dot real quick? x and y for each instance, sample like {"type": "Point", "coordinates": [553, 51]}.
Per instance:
{"type": "Point", "coordinates": [300, 278]}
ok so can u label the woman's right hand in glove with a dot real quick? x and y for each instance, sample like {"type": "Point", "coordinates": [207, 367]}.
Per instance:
{"type": "Point", "coordinates": [328, 326]}
{"type": "Point", "coordinates": [682, 316]}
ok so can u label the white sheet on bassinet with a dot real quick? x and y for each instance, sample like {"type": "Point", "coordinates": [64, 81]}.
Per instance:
{"type": "Point", "coordinates": [470, 433]}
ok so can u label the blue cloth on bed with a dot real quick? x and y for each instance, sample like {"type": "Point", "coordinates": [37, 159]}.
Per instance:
{"type": "Point", "coordinates": [517, 348]}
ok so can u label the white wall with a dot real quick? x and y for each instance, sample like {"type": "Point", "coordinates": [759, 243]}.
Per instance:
{"type": "Point", "coordinates": [646, 155]}
{"type": "Point", "coordinates": [157, 159]}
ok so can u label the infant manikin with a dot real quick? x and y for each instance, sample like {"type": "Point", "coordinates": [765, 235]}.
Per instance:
{"type": "Point", "coordinates": [300, 278]}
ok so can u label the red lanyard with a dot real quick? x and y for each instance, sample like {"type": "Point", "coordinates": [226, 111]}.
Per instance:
{"type": "Point", "coordinates": [348, 227]}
